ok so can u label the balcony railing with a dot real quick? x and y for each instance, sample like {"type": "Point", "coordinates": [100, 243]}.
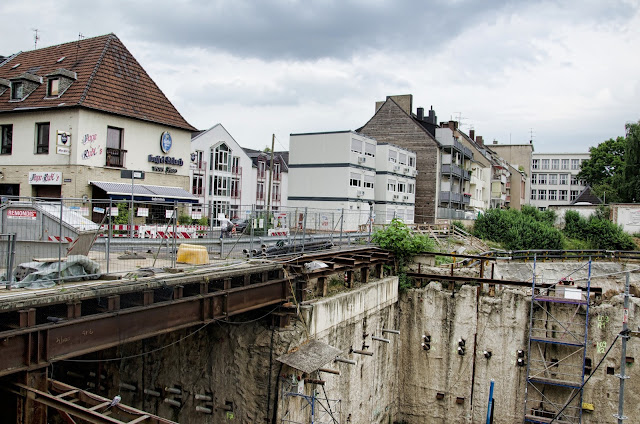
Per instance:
{"type": "Point", "coordinates": [450, 196]}
{"type": "Point", "coordinates": [452, 170]}
{"type": "Point", "coordinates": [115, 157]}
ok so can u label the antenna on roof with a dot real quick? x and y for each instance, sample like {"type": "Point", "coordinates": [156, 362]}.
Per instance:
{"type": "Point", "coordinates": [36, 37]}
{"type": "Point", "coordinates": [80, 37]}
{"type": "Point", "coordinates": [531, 136]}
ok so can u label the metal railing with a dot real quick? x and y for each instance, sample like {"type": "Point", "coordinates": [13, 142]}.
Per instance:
{"type": "Point", "coordinates": [120, 241]}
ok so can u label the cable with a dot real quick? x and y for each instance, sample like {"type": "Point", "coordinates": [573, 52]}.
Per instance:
{"type": "Point", "coordinates": [587, 380]}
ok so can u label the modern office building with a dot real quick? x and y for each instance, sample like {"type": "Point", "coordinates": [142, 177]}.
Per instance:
{"type": "Point", "coordinates": [554, 178]}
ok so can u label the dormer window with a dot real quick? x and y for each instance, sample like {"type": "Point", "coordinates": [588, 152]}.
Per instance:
{"type": "Point", "coordinates": [54, 86]}
{"type": "Point", "coordinates": [58, 81]}
{"type": "Point", "coordinates": [23, 85]}
{"type": "Point", "coordinates": [17, 90]}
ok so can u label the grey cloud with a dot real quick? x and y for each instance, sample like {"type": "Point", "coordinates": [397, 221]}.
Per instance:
{"type": "Point", "coordinates": [279, 29]}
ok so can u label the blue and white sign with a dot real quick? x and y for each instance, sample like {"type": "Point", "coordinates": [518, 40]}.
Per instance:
{"type": "Point", "coordinates": [165, 142]}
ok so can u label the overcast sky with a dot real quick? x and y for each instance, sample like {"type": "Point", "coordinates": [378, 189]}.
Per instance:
{"type": "Point", "coordinates": [567, 70]}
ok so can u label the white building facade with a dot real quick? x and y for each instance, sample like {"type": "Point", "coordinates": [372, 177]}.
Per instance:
{"type": "Point", "coordinates": [554, 178]}
{"type": "Point", "coordinates": [349, 173]}
{"type": "Point", "coordinates": [228, 180]}
{"type": "Point", "coordinates": [395, 185]}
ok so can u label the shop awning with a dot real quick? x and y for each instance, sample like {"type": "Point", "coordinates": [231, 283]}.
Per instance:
{"type": "Point", "coordinates": [145, 193]}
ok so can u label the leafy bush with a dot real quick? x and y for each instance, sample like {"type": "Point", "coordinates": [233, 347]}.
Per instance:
{"type": "Point", "coordinates": [184, 219]}
{"type": "Point", "coordinates": [529, 229]}
{"type": "Point", "coordinates": [575, 226]}
{"type": "Point", "coordinates": [599, 232]}
{"type": "Point", "coordinates": [405, 244]}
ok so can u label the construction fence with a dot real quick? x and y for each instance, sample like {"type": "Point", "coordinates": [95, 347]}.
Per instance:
{"type": "Point", "coordinates": [52, 237]}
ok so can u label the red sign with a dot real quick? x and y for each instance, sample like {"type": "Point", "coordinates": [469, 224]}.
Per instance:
{"type": "Point", "coordinates": [22, 213]}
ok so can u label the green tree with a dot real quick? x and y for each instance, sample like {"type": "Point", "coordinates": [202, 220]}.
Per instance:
{"type": "Point", "coordinates": [604, 170]}
{"type": "Point", "coordinates": [632, 163]}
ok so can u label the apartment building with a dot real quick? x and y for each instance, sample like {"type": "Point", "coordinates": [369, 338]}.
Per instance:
{"type": "Point", "coordinates": [554, 178]}
{"type": "Point", "coordinates": [230, 180]}
{"type": "Point", "coordinates": [395, 185]}
{"type": "Point", "coordinates": [353, 175]}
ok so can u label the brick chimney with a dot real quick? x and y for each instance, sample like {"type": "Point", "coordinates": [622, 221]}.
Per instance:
{"type": "Point", "coordinates": [472, 134]}
{"type": "Point", "coordinates": [420, 114]}
{"type": "Point", "coordinates": [479, 140]}
{"type": "Point", "coordinates": [453, 125]}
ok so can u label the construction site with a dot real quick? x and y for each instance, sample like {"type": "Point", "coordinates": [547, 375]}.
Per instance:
{"type": "Point", "coordinates": [315, 330]}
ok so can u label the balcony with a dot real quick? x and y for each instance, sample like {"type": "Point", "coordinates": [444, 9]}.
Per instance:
{"type": "Point", "coordinates": [466, 175]}
{"type": "Point", "coordinates": [466, 198]}
{"type": "Point", "coordinates": [115, 157]}
{"type": "Point", "coordinates": [450, 196]}
{"type": "Point", "coordinates": [455, 144]}
{"type": "Point", "coordinates": [452, 170]}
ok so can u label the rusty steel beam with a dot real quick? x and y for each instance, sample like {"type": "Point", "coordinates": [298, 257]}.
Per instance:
{"type": "Point", "coordinates": [37, 346]}
{"type": "Point", "coordinates": [87, 406]}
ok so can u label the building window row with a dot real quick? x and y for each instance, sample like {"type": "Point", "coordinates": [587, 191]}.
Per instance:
{"type": "Point", "coordinates": [554, 179]}
{"type": "Point", "coordinates": [556, 164]}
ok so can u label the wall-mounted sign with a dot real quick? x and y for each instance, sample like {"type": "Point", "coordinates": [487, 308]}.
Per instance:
{"type": "Point", "coordinates": [63, 143]}
{"type": "Point", "coordinates": [143, 212]}
{"type": "Point", "coordinates": [45, 178]}
{"type": "Point", "coordinates": [165, 142]}
{"type": "Point", "coordinates": [22, 213]}
{"type": "Point", "coordinates": [169, 160]}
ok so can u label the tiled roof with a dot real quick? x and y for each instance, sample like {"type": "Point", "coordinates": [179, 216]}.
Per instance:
{"type": "Point", "coordinates": [109, 79]}
{"type": "Point", "coordinates": [282, 157]}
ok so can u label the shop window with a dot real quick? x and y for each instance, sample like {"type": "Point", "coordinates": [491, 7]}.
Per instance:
{"type": "Point", "coordinates": [42, 138]}
{"type": "Point", "coordinates": [6, 132]}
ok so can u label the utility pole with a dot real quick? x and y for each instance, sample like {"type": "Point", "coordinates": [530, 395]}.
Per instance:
{"type": "Point", "coordinates": [623, 354]}
{"type": "Point", "coordinates": [273, 141]}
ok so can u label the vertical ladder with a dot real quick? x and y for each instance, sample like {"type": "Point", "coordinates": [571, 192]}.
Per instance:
{"type": "Point", "coordinates": [558, 327]}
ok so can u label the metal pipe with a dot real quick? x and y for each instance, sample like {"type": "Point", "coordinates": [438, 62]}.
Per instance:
{"type": "Point", "coordinates": [330, 371]}
{"type": "Point", "coordinates": [362, 352]}
{"type": "Point", "coordinates": [380, 339]}
{"type": "Point", "coordinates": [386, 330]}
{"type": "Point", "coordinates": [172, 402]}
{"type": "Point", "coordinates": [623, 353]}
{"type": "Point", "coordinates": [151, 392]}
{"type": "Point", "coordinates": [128, 386]}
{"type": "Point", "coordinates": [173, 390]}
{"type": "Point", "coordinates": [314, 381]}
{"type": "Point", "coordinates": [346, 361]}
{"type": "Point", "coordinates": [198, 396]}
{"type": "Point", "coordinates": [203, 409]}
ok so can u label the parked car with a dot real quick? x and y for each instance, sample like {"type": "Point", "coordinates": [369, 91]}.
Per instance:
{"type": "Point", "coordinates": [241, 225]}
